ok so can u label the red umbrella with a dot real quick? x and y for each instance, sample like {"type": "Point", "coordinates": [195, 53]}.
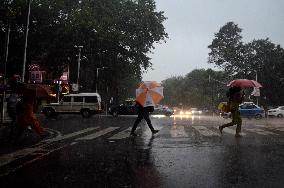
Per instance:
{"type": "Point", "coordinates": [244, 83]}
{"type": "Point", "coordinates": [36, 90]}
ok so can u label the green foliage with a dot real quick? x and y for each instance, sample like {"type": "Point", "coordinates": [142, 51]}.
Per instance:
{"type": "Point", "coordinates": [118, 34]}
{"type": "Point", "coordinates": [200, 88]}
{"type": "Point", "coordinates": [245, 60]}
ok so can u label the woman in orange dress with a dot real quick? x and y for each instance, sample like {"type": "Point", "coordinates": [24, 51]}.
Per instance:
{"type": "Point", "coordinates": [26, 116]}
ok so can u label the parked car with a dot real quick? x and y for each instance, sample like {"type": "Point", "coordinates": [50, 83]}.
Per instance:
{"type": "Point", "coordinates": [278, 112]}
{"type": "Point", "coordinates": [82, 103]}
{"type": "Point", "coordinates": [126, 108]}
{"type": "Point", "coordinates": [162, 110]}
{"type": "Point", "coordinates": [249, 110]}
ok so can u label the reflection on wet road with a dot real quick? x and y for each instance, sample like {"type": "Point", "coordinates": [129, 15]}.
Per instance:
{"type": "Point", "coordinates": [187, 152]}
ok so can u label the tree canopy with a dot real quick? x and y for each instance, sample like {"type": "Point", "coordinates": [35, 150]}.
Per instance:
{"type": "Point", "coordinates": [199, 88]}
{"type": "Point", "coordinates": [260, 57]}
{"type": "Point", "coordinates": [118, 34]}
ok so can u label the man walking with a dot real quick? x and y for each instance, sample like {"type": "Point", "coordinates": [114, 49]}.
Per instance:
{"type": "Point", "coordinates": [143, 112]}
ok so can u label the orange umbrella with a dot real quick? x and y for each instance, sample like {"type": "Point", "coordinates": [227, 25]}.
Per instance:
{"type": "Point", "coordinates": [149, 93]}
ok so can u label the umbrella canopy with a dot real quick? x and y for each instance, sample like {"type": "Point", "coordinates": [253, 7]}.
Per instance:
{"type": "Point", "coordinates": [36, 90]}
{"type": "Point", "coordinates": [149, 93]}
{"type": "Point", "coordinates": [244, 83]}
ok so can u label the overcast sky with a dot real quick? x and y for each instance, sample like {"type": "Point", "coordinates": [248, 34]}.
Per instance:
{"type": "Point", "coordinates": [191, 25]}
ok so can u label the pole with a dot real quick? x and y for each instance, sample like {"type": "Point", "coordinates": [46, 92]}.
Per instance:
{"type": "Point", "coordinates": [26, 41]}
{"type": "Point", "coordinates": [7, 52]}
{"type": "Point", "coordinates": [5, 73]}
{"type": "Point", "coordinates": [256, 80]}
{"type": "Point", "coordinates": [79, 60]}
{"type": "Point", "coordinates": [97, 80]}
{"type": "Point", "coordinates": [68, 74]}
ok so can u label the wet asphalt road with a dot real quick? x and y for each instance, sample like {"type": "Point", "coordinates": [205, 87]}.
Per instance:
{"type": "Point", "coordinates": [187, 152]}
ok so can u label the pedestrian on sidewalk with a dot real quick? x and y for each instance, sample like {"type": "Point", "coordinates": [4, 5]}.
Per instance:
{"type": "Point", "coordinates": [143, 113]}
{"type": "Point", "coordinates": [26, 117]}
{"type": "Point", "coordinates": [235, 99]}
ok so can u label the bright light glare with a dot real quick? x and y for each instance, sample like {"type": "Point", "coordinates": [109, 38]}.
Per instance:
{"type": "Point", "coordinates": [158, 116]}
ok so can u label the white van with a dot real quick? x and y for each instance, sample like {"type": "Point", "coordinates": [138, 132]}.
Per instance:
{"type": "Point", "coordinates": [83, 103]}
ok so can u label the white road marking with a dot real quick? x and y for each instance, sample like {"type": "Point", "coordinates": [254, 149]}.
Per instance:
{"type": "Point", "coordinates": [178, 132]}
{"type": "Point", "coordinates": [39, 156]}
{"type": "Point", "coordinates": [280, 129]}
{"type": "Point", "coordinates": [204, 131]}
{"type": "Point", "coordinates": [122, 135]}
{"type": "Point", "coordinates": [262, 132]}
{"type": "Point", "coordinates": [7, 158]}
{"type": "Point", "coordinates": [98, 134]}
{"type": "Point", "coordinates": [230, 131]}
{"type": "Point", "coordinates": [70, 135]}
{"type": "Point", "coordinates": [10, 157]}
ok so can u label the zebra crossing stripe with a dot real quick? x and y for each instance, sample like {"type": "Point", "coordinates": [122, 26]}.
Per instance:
{"type": "Point", "coordinates": [262, 132]}
{"type": "Point", "coordinates": [280, 129]}
{"type": "Point", "coordinates": [121, 135]}
{"type": "Point", "coordinates": [178, 132]}
{"type": "Point", "coordinates": [204, 131]}
{"type": "Point", "coordinates": [230, 131]}
{"type": "Point", "coordinates": [70, 135]}
{"type": "Point", "coordinates": [98, 134]}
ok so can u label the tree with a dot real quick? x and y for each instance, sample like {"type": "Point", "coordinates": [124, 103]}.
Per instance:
{"type": "Point", "coordinates": [118, 34]}
{"type": "Point", "coordinates": [196, 89]}
{"type": "Point", "coordinates": [227, 49]}
{"type": "Point", "coordinates": [246, 60]}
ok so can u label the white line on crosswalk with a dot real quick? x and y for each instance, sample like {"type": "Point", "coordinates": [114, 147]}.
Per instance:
{"type": "Point", "coordinates": [178, 132]}
{"type": "Point", "coordinates": [70, 135]}
{"type": "Point", "coordinates": [280, 129]}
{"type": "Point", "coordinates": [98, 134]}
{"type": "Point", "coordinates": [260, 131]}
{"type": "Point", "coordinates": [121, 135]}
{"type": "Point", "coordinates": [7, 158]}
{"type": "Point", "coordinates": [230, 131]}
{"type": "Point", "coordinates": [204, 131]}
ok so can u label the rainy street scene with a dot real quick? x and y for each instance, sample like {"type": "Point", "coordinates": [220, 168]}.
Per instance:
{"type": "Point", "coordinates": [141, 93]}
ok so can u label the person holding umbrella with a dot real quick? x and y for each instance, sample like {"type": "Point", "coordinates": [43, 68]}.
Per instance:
{"type": "Point", "coordinates": [143, 113]}
{"type": "Point", "coordinates": [235, 99]}
{"type": "Point", "coordinates": [26, 117]}
{"type": "Point", "coordinates": [148, 94]}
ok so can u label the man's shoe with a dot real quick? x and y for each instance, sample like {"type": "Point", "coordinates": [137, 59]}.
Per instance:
{"type": "Point", "coordinates": [155, 131]}
{"type": "Point", "coordinates": [221, 129]}
{"type": "Point", "coordinates": [133, 134]}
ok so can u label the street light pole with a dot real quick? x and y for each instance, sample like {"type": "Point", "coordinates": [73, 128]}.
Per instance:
{"type": "Point", "coordinates": [79, 59]}
{"type": "Point", "coordinates": [26, 41]}
{"type": "Point", "coordinates": [97, 80]}
{"type": "Point", "coordinates": [258, 88]}
{"type": "Point", "coordinates": [5, 72]}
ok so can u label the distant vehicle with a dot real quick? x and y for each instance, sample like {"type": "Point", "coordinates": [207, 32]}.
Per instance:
{"type": "Point", "coordinates": [195, 111]}
{"type": "Point", "coordinates": [163, 110]}
{"type": "Point", "coordinates": [249, 110]}
{"type": "Point", "coordinates": [278, 112]}
{"type": "Point", "coordinates": [126, 108]}
{"type": "Point", "coordinates": [84, 103]}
